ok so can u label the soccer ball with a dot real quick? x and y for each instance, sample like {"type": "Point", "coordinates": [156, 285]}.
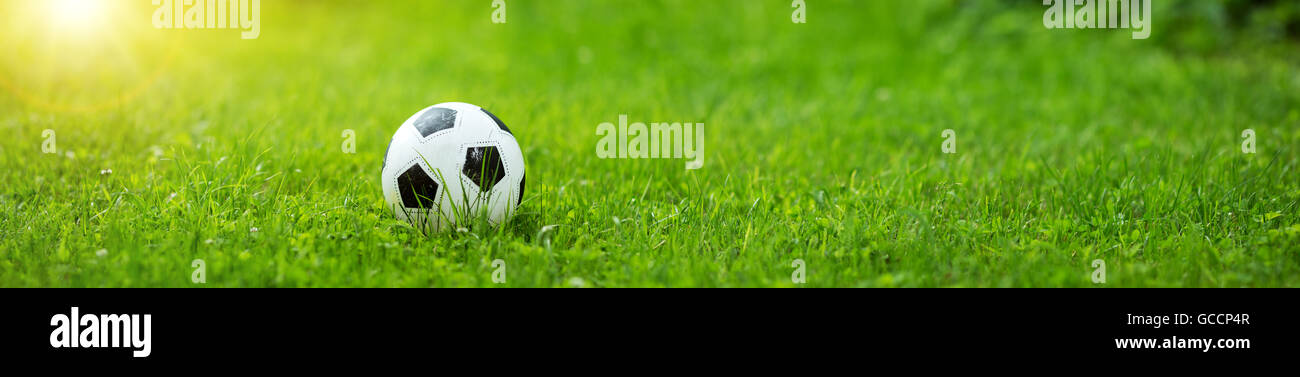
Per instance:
{"type": "Point", "coordinates": [450, 163]}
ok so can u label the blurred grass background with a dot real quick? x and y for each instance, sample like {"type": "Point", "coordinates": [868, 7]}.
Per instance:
{"type": "Point", "coordinates": [822, 144]}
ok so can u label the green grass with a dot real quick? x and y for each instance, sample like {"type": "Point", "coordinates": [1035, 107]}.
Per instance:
{"type": "Point", "coordinates": [822, 140]}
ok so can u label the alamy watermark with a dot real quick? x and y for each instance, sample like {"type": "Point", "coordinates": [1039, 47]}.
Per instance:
{"type": "Point", "coordinates": [498, 271]}
{"type": "Point", "coordinates": [75, 330]}
{"type": "Point", "coordinates": [1099, 271]}
{"type": "Point", "coordinates": [498, 11]}
{"type": "Point", "coordinates": [349, 145]}
{"type": "Point", "coordinates": [200, 274]}
{"type": "Point", "coordinates": [210, 14]}
{"type": "Point", "coordinates": [1100, 14]}
{"type": "Point", "coordinates": [1248, 145]}
{"type": "Point", "coordinates": [49, 144]}
{"type": "Point", "coordinates": [949, 145]}
{"type": "Point", "coordinates": [800, 274]}
{"type": "Point", "coordinates": [800, 13]}
{"type": "Point", "coordinates": [657, 140]}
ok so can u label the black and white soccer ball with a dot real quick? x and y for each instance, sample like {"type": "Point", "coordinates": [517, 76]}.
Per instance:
{"type": "Point", "coordinates": [451, 161]}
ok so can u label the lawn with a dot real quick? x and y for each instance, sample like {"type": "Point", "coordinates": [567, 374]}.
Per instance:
{"type": "Point", "coordinates": [824, 147]}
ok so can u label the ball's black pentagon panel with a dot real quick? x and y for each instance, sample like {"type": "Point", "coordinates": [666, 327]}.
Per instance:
{"type": "Point", "coordinates": [500, 124]}
{"type": "Point", "coordinates": [483, 167]}
{"type": "Point", "coordinates": [434, 120]}
{"type": "Point", "coordinates": [417, 188]}
{"type": "Point", "coordinates": [521, 188]}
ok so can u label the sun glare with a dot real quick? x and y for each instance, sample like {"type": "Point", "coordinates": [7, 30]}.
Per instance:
{"type": "Point", "coordinates": [76, 15]}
